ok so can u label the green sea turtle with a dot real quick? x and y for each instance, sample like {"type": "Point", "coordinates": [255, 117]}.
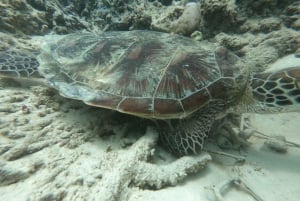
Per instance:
{"type": "Point", "coordinates": [157, 76]}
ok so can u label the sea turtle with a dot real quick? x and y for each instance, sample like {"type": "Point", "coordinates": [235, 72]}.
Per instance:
{"type": "Point", "coordinates": [157, 76]}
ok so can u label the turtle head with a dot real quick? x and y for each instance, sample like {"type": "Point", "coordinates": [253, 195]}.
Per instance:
{"type": "Point", "coordinates": [279, 89]}
{"type": "Point", "coordinates": [234, 74]}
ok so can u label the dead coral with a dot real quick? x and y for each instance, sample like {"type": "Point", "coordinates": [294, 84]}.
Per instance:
{"type": "Point", "coordinates": [120, 172]}
{"type": "Point", "coordinates": [18, 17]}
{"type": "Point", "coordinates": [292, 16]}
{"type": "Point", "coordinates": [220, 16]}
{"type": "Point", "coordinates": [265, 25]}
{"type": "Point", "coordinates": [9, 175]}
{"type": "Point", "coordinates": [154, 176]}
{"type": "Point", "coordinates": [40, 17]}
{"type": "Point", "coordinates": [266, 49]}
{"type": "Point", "coordinates": [189, 21]}
{"type": "Point", "coordinates": [112, 173]}
{"type": "Point", "coordinates": [16, 172]}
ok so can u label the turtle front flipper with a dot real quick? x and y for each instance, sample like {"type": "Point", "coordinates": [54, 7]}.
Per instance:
{"type": "Point", "coordinates": [277, 89]}
{"type": "Point", "coordinates": [186, 136]}
{"type": "Point", "coordinates": [16, 64]}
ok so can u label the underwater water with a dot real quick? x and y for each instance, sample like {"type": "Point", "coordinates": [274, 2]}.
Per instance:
{"type": "Point", "coordinates": [57, 148]}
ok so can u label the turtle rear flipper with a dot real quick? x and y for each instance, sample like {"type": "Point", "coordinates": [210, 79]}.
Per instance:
{"type": "Point", "coordinates": [15, 64]}
{"type": "Point", "coordinates": [277, 89]}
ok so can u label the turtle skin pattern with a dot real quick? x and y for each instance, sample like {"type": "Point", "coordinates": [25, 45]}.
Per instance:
{"type": "Point", "coordinates": [277, 89]}
{"type": "Point", "coordinates": [19, 64]}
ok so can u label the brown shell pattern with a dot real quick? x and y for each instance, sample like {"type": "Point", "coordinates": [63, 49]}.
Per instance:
{"type": "Point", "coordinates": [144, 73]}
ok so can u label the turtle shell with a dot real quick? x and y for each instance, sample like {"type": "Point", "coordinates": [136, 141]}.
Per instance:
{"type": "Point", "coordinates": [143, 73]}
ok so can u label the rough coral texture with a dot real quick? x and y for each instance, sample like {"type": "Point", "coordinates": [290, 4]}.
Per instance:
{"type": "Point", "coordinates": [189, 21]}
{"type": "Point", "coordinates": [16, 17]}
{"type": "Point", "coordinates": [220, 16]}
{"type": "Point", "coordinates": [54, 147]}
